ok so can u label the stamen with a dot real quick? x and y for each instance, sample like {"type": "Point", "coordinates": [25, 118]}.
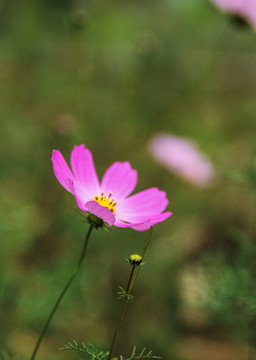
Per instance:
{"type": "Point", "coordinates": [105, 201]}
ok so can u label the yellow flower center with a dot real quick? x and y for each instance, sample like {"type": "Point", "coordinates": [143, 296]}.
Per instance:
{"type": "Point", "coordinates": [106, 201]}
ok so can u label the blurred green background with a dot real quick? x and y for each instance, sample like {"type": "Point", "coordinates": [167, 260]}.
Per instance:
{"type": "Point", "coordinates": [111, 74]}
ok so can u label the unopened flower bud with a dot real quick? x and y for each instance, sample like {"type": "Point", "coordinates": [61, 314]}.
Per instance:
{"type": "Point", "coordinates": [135, 260]}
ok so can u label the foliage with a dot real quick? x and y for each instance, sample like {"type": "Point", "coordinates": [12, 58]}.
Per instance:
{"type": "Point", "coordinates": [95, 354]}
{"type": "Point", "coordinates": [89, 349]}
{"type": "Point", "coordinates": [4, 356]}
{"type": "Point", "coordinates": [229, 290]}
{"type": "Point", "coordinates": [123, 294]}
{"type": "Point", "coordinates": [142, 355]}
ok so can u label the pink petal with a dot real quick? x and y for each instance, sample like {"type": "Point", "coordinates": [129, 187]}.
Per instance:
{"type": "Point", "coordinates": [61, 169]}
{"type": "Point", "coordinates": [153, 221]}
{"type": "Point", "coordinates": [84, 170]}
{"type": "Point", "coordinates": [144, 224]}
{"type": "Point", "coordinates": [70, 186]}
{"type": "Point", "coordinates": [102, 212]}
{"type": "Point", "coordinates": [145, 203]}
{"type": "Point", "coordinates": [246, 9]}
{"type": "Point", "coordinates": [120, 223]}
{"type": "Point", "coordinates": [120, 179]}
{"type": "Point", "coordinates": [80, 194]}
{"type": "Point", "coordinates": [182, 157]}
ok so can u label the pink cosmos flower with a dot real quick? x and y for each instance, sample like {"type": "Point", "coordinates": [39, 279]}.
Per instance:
{"type": "Point", "coordinates": [246, 9]}
{"type": "Point", "coordinates": [182, 157]}
{"type": "Point", "coordinates": [109, 199]}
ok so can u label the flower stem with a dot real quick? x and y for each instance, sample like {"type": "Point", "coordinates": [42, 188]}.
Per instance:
{"type": "Point", "coordinates": [62, 293]}
{"type": "Point", "coordinates": [132, 278]}
{"type": "Point", "coordinates": [142, 256]}
{"type": "Point", "coordinates": [125, 303]}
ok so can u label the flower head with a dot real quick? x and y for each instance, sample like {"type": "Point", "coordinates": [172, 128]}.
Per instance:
{"type": "Point", "coordinates": [109, 199]}
{"type": "Point", "coordinates": [135, 260]}
{"type": "Point", "coordinates": [244, 9]}
{"type": "Point", "coordinates": [182, 157]}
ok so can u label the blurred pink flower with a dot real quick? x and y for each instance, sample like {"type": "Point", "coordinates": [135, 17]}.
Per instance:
{"type": "Point", "coordinates": [246, 9]}
{"type": "Point", "coordinates": [109, 199]}
{"type": "Point", "coordinates": [182, 157]}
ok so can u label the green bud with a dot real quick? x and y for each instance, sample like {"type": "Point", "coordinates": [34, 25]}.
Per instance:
{"type": "Point", "coordinates": [135, 260]}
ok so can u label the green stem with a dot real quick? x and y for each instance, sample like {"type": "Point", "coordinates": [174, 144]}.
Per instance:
{"type": "Point", "coordinates": [143, 254]}
{"type": "Point", "coordinates": [125, 303]}
{"type": "Point", "coordinates": [128, 287]}
{"type": "Point", "coordinates": [132, 278]}
{"type": "Point", "coordinates": [62, 293]}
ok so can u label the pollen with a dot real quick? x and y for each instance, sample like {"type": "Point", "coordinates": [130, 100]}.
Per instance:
{"type": "Point", "coordinates": [106, 201]}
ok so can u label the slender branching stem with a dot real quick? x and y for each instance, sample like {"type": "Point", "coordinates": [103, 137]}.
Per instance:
{"type": "Point", "coordinates": [128, 287]}
{"type": "Point", "coordinates": [62, 293]}
{"type": "Point", "coordinates": [142, 256]}
{"type": "Point", "coordinates": [130, 284]}
{"type": "Point", "coordinates": [125, 303]}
